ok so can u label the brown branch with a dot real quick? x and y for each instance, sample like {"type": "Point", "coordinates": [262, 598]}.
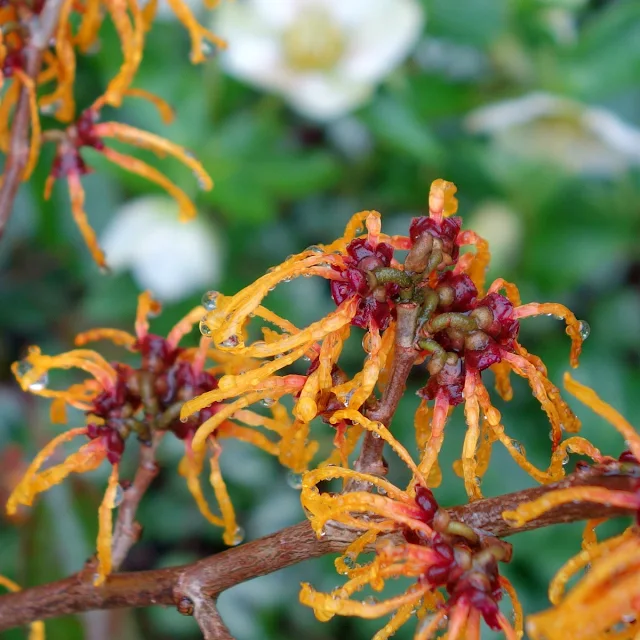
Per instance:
{"type": "Point", "coordinates": [276, 551]}
{"type": "Point", "coordinates": [404, 356]}
{"type": "Point", "coordinates": [127, 531]}
{"type": "Point", "coordinates": [41, 30]}
{"type": "Point", "coordinates": [204, 610]}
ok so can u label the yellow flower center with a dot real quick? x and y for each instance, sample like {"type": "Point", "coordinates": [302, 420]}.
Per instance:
{"type": "Point", "coordinates": [314, 42]}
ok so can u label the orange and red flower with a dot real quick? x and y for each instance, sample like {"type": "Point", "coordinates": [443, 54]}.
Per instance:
{"type": "Point", "coordinates": [120, 400]}
{"type": "Point", "coordinates": [605, 602]}
{"type": "Point", "coordinates": [454, 571]}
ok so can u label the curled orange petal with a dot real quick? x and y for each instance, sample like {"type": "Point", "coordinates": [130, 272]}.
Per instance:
{"type": "Point", "coordinates": [187, 209]}
{"type": "Point", "coordinates": [592, 400]}
{"type": "Point", "coordinates": [105, 529]}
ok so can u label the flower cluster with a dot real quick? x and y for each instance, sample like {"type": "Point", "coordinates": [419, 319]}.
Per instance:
{"type": "Point", "coordinates": [436, 299]}
{"type": "Point", "coordinates": [430, 313]}
{"type": "Point", "coordinates": [120, 400]}
{"type": "Point", "coordinates": [454, 571]}
{"type": "Point", "coordinates": [27, 64]}
{"type": "Point", "coordinates": [605, 602]}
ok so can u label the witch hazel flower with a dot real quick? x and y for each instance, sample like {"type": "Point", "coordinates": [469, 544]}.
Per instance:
{"type": "Point", "coordinates": [454, 574]}
{"type": "Point", "coordinates": [605, 600]}
{"type": "Point", "coordinates": [120, 400]}
{"type": "Point", "coordinates": [324, 57]}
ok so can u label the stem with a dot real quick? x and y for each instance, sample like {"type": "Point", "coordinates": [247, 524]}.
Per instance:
{"type": "Point", "coordinates": [41, 31]}
{"type": "Point", "coordinates": [127, 531]}
{"type": "Point", "coordinates": [282, 549]}
{"type": "Point", "coordinates": [204, 610]}
{"type": "Point", "coordinates": [404, 355]}
{"type": "Point", "coordinates": [389, 275]}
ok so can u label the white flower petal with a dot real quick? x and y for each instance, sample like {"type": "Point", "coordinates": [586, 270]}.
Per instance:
{"type": "Point", "coordinates": [324, 97]}
{"type": "Point", "coordinates": [508, 113]}
{"type": "Point", "coordinates": [616, 133]}
{"type": "Point", "coordinates": [253, 49]}
{"type": "Point", "coordinates": [388, 31]}
{"type": "Point", "coordinates": [277, 14]}
{"type": "Point", "coordinates": [378, 35]}
{"type": "Point", "coordinates": [583, 139]}
{"type": "Point", "coordinates": [351, 14]}
{"type": "Point", "coordinates": [174, 259]}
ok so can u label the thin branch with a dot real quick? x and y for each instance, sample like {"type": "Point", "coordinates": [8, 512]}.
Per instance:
{"type": "Point", "coordinates": [276, 551]}
{"type": "Point", "coordinates": [404, 356]}
{"type": "Point", "coordinates": [204, 610]}
{"type": "Point", "coordinates": [127, 531]}
{"type": "Point", "coordinates": [41, 30]}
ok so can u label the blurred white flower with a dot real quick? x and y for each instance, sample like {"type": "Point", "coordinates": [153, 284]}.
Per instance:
{"type": "Point", "coordinates": [324, 57]}
{"type": "Point", "coordinates": [171, 258]}
{"type": "Point", "coordinates": [582, 139]}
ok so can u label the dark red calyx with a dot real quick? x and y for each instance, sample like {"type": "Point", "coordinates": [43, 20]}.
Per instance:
{"type": "Point", "coordinates": [362, 259]}
{"type": "Point", "coordinates": [85, 130]}
{"type": "Point", "coordinates": [115, 446]}
{"type": "Point", "coordinates": [446, 230]}
{"type": "Point", "coordinates": [113, 441]}
{"type": "Point", "coordinates": [487, 607]}
{"type": "Point", "coordinates": [505, 327]}
{"type": "Point", "coordinates": [464, 291]}
{"type": "Point", "coordinates": [427, 503]}
{"type": "Point", "coordinates": [67, 162]}
{"type": "Point", "coordinates": [157, 353]}
{"type": "Point", "coordinates": [12, 61]}
{"type": "Point", "coordinates": [450, 379]}
{"type": "Point", "coordinates": [482, 359]}
{"type": "Point", "coordinates": [627, 456]}
{"type": "Point", "coordinates": [437, 574]}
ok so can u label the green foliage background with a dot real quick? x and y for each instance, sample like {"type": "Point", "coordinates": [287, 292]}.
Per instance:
{"type": "Point", "coordinates": [284, 183]}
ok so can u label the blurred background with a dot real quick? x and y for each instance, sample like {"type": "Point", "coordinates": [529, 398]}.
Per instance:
{"type": "Point", "coordinates": [317, 110]}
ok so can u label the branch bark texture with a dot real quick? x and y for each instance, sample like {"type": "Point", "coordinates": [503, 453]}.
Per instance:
{"type": "Point", "coordinates": [289, 546]}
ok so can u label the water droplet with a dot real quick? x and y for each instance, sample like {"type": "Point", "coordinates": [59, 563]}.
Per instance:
{"type": "Point", "coordinates": [204, 328]}
{"type": "Point", "coordinates": [294, 480]}
{"type": "Point", "coordinates": [285, 280]}
{"type": "Point", "coordinates": [370, 600]}
{"type": "Point", "coordinates": [376, 435]}
{"type": "Point", "coordinates": [203, 183]}
{"type": "Point", "coordinates": [119, 497]}
{"type": "Point", "coordinates": [208, 49]}
{"type": "Point", "coordinates": [238, 536]}
{"type": "Point", "coordinates": [381, 490]}
{"type": "Point", "coordinates": [24, 366]}
{"type": "Point", "coordinates": [268, 402]}
{"type": "Point", "coordinates": [518, 446]}
{"type": "Point", "coordinates": [40, 383]}
{"type": "Point", "coordinates": [349, 561]}
{"type": "Point", "coordinates": [584, 329]}
{"type": "Point", "coordinates": [565, 460]}
{"type": "Point", "coordinates": [231, 341]}
{"type": "Point", "coordinates": [347, 398]}
{"type": "Point", "coordinates": [366, 342]}
{"type": "Point", "coordinates": [210, 300]}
